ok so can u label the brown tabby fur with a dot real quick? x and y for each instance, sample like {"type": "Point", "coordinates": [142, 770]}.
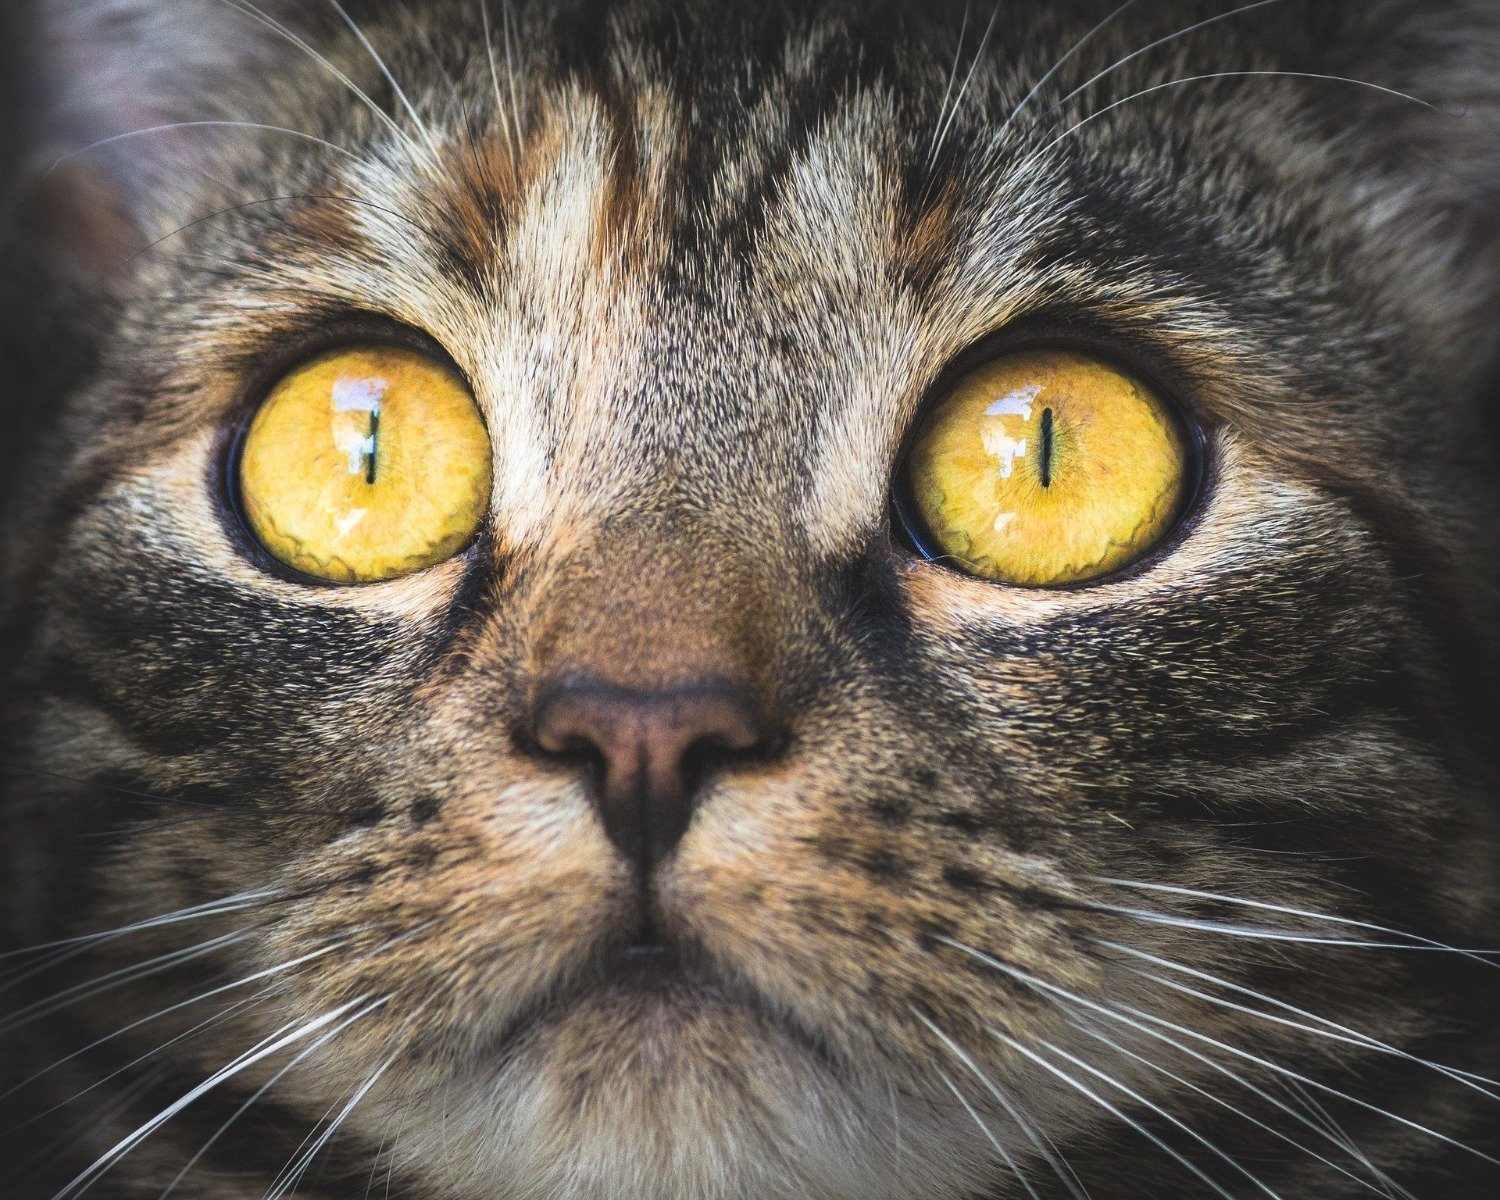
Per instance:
{"type": "Point", "coordinates": [702, 263]}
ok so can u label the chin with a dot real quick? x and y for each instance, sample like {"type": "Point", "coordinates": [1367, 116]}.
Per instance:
{"type": "Point", "coordinates": [659, 1086]}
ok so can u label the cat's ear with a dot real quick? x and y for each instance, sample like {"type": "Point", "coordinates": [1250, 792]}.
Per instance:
{"type": "Point", "coordinates": [118, 83]}
{"type": "Point", "coordinates": [1440, 120]}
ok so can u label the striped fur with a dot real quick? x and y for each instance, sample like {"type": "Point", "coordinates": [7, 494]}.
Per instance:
{"type": "Point", "coordinates": [702, 262]}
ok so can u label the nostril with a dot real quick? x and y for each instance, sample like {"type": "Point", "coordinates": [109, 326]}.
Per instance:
{"type": "Point", "coordinates": [649, 750]}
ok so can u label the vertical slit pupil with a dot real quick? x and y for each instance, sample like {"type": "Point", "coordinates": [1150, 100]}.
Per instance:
{"type": "Point", "coordinates": [1046, 455]}
{"type": "Point", "coordinates": [374, 445]}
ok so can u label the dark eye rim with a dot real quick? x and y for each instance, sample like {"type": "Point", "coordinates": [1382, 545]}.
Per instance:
{"type": "Point", "coordinates": [347, 331]}
{"type": "Point", "coordinates": [909, 531]}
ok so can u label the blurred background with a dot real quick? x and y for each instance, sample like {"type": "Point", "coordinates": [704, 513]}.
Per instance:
{"type": "Point", "coordinates": [18, 92]}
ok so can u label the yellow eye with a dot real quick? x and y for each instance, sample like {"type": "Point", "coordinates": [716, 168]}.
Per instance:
{"type": "Point", "coordinates": [1047, 468]}
{"type": "Point", "coordinates": [366, 464]}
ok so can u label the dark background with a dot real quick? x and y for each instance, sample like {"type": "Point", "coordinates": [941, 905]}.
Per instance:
{"type": "Point", "coordinates": [18, 91]}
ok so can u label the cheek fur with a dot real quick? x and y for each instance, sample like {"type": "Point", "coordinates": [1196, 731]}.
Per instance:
{"type": "Point", "coordinates": [917, 887]}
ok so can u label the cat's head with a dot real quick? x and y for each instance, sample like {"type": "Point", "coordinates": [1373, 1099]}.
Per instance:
{"type": "Point", "coordinates": [696, 786]}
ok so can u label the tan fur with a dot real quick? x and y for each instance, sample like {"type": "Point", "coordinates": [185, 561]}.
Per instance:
{"type": "Point", "coordinates": [699, 363]}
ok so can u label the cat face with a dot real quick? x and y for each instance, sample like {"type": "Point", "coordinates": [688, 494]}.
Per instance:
{"type": "Point", "coordinates": [693, 823]}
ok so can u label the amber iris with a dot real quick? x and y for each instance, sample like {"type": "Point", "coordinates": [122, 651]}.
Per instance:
{"type": "Point", "coordinates": [1047, 468]}
{"type": "Point", "coordinates": [365, 464]}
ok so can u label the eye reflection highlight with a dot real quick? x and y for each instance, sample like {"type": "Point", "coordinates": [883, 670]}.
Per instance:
{"type": "Point", "coordinates": [364, 465]}
{"type": "Point", "coordinates": [1048, 468]}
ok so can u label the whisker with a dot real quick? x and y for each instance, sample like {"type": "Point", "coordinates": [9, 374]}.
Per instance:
{"type": "Point", "coordinates": [177, 125]}
{"type": "Point", "coordinates": [1172, 83]}
{"type": "Point", "coordinates": [249, 9]}
{"type": "Point", "coordinates": [257, 1095]}
{"type": "Point", "coordinates": [946, 123]}
{"type": "Point", "coordinates": [1334, 1031]}
{"type": "Point", "coordinates": [156, 1016]}
{"type": "Point", "coordinates": [295, 1177]}
{"type": "Point", "coordinates": [113, 790]}
{"type": "Point", "coordinates": [507, 21]}
{"type": "Point", "coordinates": [1004, 1154]}
{"type": "Point", "coordinates": [194, 912]}
{"type": "Point", "coordinates": [294, 1172]}
{"type": "Point", "coordinates": [1269, 934]}
{"type": "Point", "coordinates": [1069, 1180]}
{"type": "Point", "coordinates": [1161, 41]}
{"type": "Point", "coordinates": [1483, 956]}
{"type": "Point", "coordinates": [46, 1159]}
{"type": "Point", "coordinates": [1115, 1111]}
{"type": "Point", "coordinates": [118, 978]}
{"type": "Point", "coordinates": [61, 957]}
{"type": "Point", "coordinates": [289, 1066]}
{"type": "Point", "coordinates": [1277, 1068]}
{"type": "Point", "coordinates": [390, 1170]}
{"type": "Point", "coordinates": [218, 1018]}
{"type": "Point", "coordinates": [1341, 1142]}
{"type": "Point", "coordinates": [1340, 1136]}
{"type": "Point", "coordinates": [374, 1168]}
{"type": "Point", "coordinates": [306, 1052]}
{"type": "Point", "coordinates": [390, 77]}
{"type": "Point", "coordinates": [272, 1044]}
{"type": "Point", "coordinates": [513, 129]}
{"type": "Point", "coordinates": [500, 108]}
{"type": "Point", "coordinates": [1089, 1031]}
{"type": "Point", "coordinates": [958, 54]}
{"type": "Point", "coordinates": [1062, 62]}
{"type": "Point", "coordinates": [235, 208]}
{"type": "Point", "coordinates": [1163, 1113]}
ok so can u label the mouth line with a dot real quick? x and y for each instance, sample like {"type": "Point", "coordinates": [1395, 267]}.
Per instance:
{"type": "Point", "coordinates": [649, 965]}
{"type": "Point", "coordinates": [665, 971]}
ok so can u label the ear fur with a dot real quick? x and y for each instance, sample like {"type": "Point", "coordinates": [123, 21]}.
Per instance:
{"type": "Point", "coordinates": [1443, 151]}
{"type": "Point", "coordinates": [112, 73]}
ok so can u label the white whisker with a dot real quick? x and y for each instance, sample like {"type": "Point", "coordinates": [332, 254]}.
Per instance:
{"type": "Point", "coordinates": [1333, 1031]}
{"type": "Point", "coordinates": [118, 978]}
{"type": "Point", "coordinates": [296, 1177]}
{"type": "Point", "coordinates": [1341, 1141]}
{"type": "Point", "coordinates": [1004, 1154]}
{"type": "Point", "coordinates": [1062, 62]}
{"type": "Point", "coordinates": [196, 911]}
{"type": "Point", "coordinates": [1161, 41]}
{"type": "Point", "coordinates": [270, 1045]}
{"type": "Point", "coordinates": [1277, 1068]}
{"type": "Point", "coordinates": [1115, 1111]}
{"type": "Point", "coordinates": [176, 125]}
{"type": "Point", "coordinates": [1069, 1181]}
{"type": "Point", "coordinates": [390, 77]}
{"type": "Point", "coordinates": [218, 1018]}
{"type": "Point", "coordinates": [1483, 956]}
{"type": "Point", "coordinates": [940, 134]}
{"type": "Point", "coordinates": [500, 107]}
{"type": "Point", "coordinates": [1340, 1136]}
{"type": "Point", "coordinates": [374, 1168]}
{"type": "Point", "coordinates": [1172, 83]}
{"type": "Point", "coordinates": [249, 9]}
{"type": "Point", "coordinates": [1091, 1032]}
{"type": "Point", "coordinates": [48, 1157]}
{"type": "Point", "coordinates": [958, 54]}
{"type": "Point", "coordinates": [1161, 1112]}
{"type": "Point", "coordinates": [306, 1052]}
{"type": "Point", "coordinates": [156, 1016]}
{"type": "Point", "coordinates": [1263, 933]}
{"type": "Point", "coordinates": [506, 19]}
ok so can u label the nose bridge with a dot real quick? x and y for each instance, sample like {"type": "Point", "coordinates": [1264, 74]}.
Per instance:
{"type": "Point", "coordinates": [656, 603]}
{"type": "Point", "coordinates": [652, 657]}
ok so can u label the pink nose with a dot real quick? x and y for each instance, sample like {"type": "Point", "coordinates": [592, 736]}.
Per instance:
{"type": "Point", "coordinates": [650, 748]}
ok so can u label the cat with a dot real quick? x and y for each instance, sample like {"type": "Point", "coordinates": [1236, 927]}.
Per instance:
{"type": "Point", "coordinates": [694, 600]}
